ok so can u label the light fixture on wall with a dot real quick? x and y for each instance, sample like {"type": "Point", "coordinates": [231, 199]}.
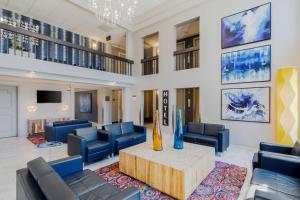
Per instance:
{"type": "Point", "coordinates": [287, 106]}
{"type": "Point", "coordinates": [134, 97]}
{"type": "Point", "coordinates": [32, 108]}
{"type": "Point", "coordinates": [112, 83]}
{"type": "Point", "coordinates": [94, 45]}
{"type": "Point", "coordinates": [65, 107]}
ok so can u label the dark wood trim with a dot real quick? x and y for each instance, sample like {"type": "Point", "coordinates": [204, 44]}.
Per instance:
{"type": "Point", "coordinates": [149, 59]}
{"type": "Point", "coordinates": [21, 31]}
{"type": "Point", "coordinates": [186, 50]}
{"type": "Point", "coordinates": [189, 37]}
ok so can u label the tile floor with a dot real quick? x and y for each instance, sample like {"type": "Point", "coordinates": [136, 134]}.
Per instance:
{"type": "Point", "coordinates": [16, 152]}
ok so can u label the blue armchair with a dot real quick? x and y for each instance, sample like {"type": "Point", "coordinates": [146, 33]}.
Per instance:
{"type": "Point", "coordinates": [278, 176]}
{"type": "Point", "coordinates": [272, 149]}
{"type": "Point", "coordinates": [276, 165]}
{"type": "Point", "coordinates": [90, 143]}
{"type": "Point", "coordinates": [124, 135]}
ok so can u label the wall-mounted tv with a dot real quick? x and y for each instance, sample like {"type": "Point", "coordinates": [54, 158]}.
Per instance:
{"type": "Point", "coordinates": [48, 96]}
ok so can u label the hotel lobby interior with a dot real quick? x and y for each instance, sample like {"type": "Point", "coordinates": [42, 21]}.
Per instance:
{"type": "Point", "coordinates": [149, 100]}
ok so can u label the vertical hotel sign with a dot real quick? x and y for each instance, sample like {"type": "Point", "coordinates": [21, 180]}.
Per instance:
{"type": "Point", "coordinates": [165, 104]}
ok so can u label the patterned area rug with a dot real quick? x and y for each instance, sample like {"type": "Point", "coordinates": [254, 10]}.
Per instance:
{"type": "Point", "coordinates": [37, 138]}
{"type": "Point", "coordinates": [223, 183]}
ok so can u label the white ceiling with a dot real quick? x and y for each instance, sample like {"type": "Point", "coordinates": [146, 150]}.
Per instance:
{"type": "Point", "coordinates": [75, 16]}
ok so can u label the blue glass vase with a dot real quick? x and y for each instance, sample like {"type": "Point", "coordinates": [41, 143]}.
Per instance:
{"type": "Point", "coordinates": [178, 135]}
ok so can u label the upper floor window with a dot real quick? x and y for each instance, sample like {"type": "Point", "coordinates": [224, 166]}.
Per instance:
{"type": "Point", "coordinates": [151, 52]}
{"type": "Point", "coordinates": [187, 45]}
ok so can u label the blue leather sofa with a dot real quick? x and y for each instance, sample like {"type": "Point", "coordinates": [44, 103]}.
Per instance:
{"type": "Point", "coordinates": [213, 135]}
{"type": "Point", "coordinates": [124, 135]}
{"type": "Point", "coordinates": [91, 144]}
{"type": "Point", "coordinates": [59, 131]}
{"type": "Point", "coordinates": [278, 177]}
{"type": "Point", "coordinates": [65, 179]}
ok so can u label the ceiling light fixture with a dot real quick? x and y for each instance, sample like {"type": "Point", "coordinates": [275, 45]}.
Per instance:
{"type": "Point", "coordinates": [112, 12]}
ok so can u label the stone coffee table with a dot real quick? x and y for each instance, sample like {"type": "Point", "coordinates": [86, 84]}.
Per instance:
{"type": "Point", "coordinates": [174, 172]}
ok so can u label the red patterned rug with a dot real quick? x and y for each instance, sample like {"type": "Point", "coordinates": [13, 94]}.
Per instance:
{"type": "Point", "coordinates": [37, 138]}
{"type": "Point", "coordinates": [223, 183]}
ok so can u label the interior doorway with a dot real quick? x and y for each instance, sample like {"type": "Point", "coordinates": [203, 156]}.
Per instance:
{"type": "Point", "coordinates": [150, 106]}
{"type": "Point", "coordinates": [187, 100]}
{"type": "Point", "coordinates": [8, 111]}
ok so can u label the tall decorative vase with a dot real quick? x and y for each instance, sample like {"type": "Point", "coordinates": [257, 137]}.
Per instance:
{"type": "Point", "coordinates": [157, 136]}
{"type": "Point", "coordinates": [178, 135]}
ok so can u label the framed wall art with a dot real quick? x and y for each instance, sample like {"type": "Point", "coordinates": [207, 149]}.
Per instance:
{"type": "Point", "coordinates": [246, 27]}
{"type": "Point", "coordinates": [246, 104]}
{"type": "Point", "coordinates": [249, 65]}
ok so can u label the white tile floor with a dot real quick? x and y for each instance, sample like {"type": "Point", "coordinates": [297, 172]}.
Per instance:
{"type": "Point", "coordinates": [16, 152]}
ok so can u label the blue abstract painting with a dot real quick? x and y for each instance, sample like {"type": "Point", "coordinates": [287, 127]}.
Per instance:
{"type": "Point", "coordinates": [246, 27]}
{"type": "Point", "coordinates": [85, 102]}
{"type": "Point", "coordinates": [250, 65]}
{"type": "Point", "coordinates": [246, 104]}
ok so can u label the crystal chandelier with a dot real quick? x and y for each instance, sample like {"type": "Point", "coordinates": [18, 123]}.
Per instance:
{"type": "Point", "coordinates": [113, 11]}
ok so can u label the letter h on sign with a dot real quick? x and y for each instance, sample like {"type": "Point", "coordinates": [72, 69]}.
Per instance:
{"type": "Point", "coordinates": [165, 107]}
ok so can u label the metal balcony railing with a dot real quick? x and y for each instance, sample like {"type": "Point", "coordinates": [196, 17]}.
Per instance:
{"type": "Point", "coordinates": [150, 65]}
{"type": "Point", "coordinates": [187, 58]}
{"type": "Point", "coordinates": [17, 41]}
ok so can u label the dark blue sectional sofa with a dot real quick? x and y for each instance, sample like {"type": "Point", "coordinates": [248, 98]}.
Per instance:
{"type": "Point", "coordinates": [276, 174]}
{"type": "Point", "coordinates": [65, 179]}
{"type": "Point", "coordinates": [213, 135]}
{"type": "Point", "coordinates": [59, 131]}
{"type": "Point", "coordinates": [124, 135]}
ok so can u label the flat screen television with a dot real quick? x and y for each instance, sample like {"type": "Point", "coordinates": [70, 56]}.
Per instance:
{"type": "Point", "coordinates": [48, 96]}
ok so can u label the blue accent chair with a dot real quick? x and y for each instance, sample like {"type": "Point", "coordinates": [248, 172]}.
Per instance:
{"type": "Point", "coordinates": [59, 131]}
{"type": "Point", "coordinates": [90, 143]}
{"type": "Point", "coordinates": [65, 179]}
{"type": "Point", "coordinates": [213, 135]}
{"type": "Point", "coordinates": [272, 149]}
{"type": "Point", "coordinates": [277, 177]}
{"type": "Point", "coordinates": [124, 135]}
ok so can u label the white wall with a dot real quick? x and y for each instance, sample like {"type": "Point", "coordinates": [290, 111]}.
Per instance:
{"type": "Point", "coordinates": [27, 97]}
{"type": "Point", "coordinates": [285, 52]}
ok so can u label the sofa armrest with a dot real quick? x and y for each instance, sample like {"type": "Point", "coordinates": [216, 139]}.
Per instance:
{"type": "Point", "coordinates": [286, 165]}
{"type": "Point", "coordinates": [108, 136]}
{"type": "Point", "coordinates": [49, 133]}
{"type": "Point", "coordinates": [67, 166]}
{"type": "Point", "coordinates": [76, 146]}
{"type": "Point", "coordinates": [263, 146]}
{"type": "Point", "coordinates": [267, 195]}
{"type": "Point", "coordinates": [223, 139]}
{"type": "Point", "coordinates": [127, 194]}
{"type": "Point", "coordinates": [140, 129]}
{"type": "Point", "coordinates": [104, 135]}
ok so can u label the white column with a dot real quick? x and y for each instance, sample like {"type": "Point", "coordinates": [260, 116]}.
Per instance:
{"type": "Point", "coordinates": [107, 107]}
{"type": "Point", "coordinates": [129, 45]}
{"type": "Point", "coordinates": [72, 102]}
{"type": "Point", "coordinates": [126, 104]}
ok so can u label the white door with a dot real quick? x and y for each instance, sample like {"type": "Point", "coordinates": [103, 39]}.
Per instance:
{"type": "Point", "coordinates": [8, 111]}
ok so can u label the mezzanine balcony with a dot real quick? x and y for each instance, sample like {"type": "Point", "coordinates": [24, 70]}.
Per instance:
{"type": "Point", "coordinates": [25, 43]}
